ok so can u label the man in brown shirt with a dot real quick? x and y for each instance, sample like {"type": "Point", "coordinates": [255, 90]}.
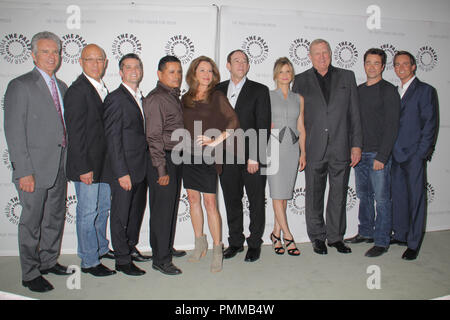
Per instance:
{"type": "Point", "coordinates": [163, 115]}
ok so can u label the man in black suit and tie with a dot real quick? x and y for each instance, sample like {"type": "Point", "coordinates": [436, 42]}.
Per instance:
{"type": "Point", "coordinates": [86, 159]}
{"type": "Point", "coordinates": [333, 144]}
{"type": "Point", "coordinates": [251, 102]}
{"type": "Point", "coordinates": [36, 137]}
{"type": "Point", "coordinates": [128, 155]}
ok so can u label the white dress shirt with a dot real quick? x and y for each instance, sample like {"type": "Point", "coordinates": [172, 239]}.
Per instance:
{"type": "Point", "coordinates": [137, 96]}
{"type": "Point", "coordinates": [234, 90]}
{"type": "Point", "coordinates": [402, 89]}
{"type": "Point", "coordinates": [99, 86]}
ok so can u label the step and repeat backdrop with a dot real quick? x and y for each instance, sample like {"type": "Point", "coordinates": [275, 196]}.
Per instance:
{"type": "Point", "coordinates": [188, 32]}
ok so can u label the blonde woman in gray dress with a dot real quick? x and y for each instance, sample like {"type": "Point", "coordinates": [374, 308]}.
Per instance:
{"type": "Point", "coordinates": [288, 118]}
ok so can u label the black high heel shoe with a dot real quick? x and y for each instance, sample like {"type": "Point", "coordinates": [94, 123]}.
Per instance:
{"type": "Point", "coordinates": [293, 251]}
{"type": "Point", "coordinates": [275, 240]}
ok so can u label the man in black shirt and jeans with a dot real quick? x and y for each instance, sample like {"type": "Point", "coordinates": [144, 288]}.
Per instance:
{"type": "Point", "coordinates": [380, 110]}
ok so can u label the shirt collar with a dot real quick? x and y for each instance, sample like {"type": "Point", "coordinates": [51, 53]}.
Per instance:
{"type": "Point", "coordinates": [173, 91]}
{"type": "Point", "coordinates": [330, 69]}
{"type": "Point", "coordinates": [407, 84]}
{"type": "Point", "coordinates": [98, 85]}
{"type": "Point", "coordinates": [137, 94]}
{"type": "Point", "coordinates": [240, 83]}
{"type": "Point", "coordinates": [44, 74]}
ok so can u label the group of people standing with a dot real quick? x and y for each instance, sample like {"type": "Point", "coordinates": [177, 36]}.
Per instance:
{"type": "Point", "coordinates": [117, 145]}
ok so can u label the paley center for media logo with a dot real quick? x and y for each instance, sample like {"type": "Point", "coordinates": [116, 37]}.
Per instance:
{"type": "Point", "coordinates": [256, 49]}
{"type": "Point", "coordinates": [181, 47]}
{"type": "Point", "coordinates": [346, 54]}
{"type": "Point", "coordinates": [126, 43]}
{"type": "Point", "coordinates": [72, 45]}
{"type": "Point", "coordinates": [15, 48]}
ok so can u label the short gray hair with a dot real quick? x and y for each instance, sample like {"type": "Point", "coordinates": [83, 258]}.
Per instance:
{"type": "Point", "coordinates": [318, 41]}
{"type": "Point", "coordinates": [44, 35]}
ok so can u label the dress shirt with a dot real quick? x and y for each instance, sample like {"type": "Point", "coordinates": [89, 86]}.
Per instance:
{"type": "Point", "coordinates": [99, 86]}
{"type": "Point", "coordinates": [47, 79]}
{"type": "Point", "coordinates": [137, 96]}
{"type": "Point", "coordinates": [325, 82]}
{"type": "Point", "coordinates": [402, 89]}
{"type": "Point", "coordinates": [234, 90]}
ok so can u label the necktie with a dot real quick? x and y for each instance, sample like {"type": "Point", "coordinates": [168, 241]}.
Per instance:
{"type": "Point", "coordinates": [58, 108]}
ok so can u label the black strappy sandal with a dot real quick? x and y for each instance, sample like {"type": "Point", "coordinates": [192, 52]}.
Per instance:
{"type": "Point", "coordinates": [278, 250]}
{"type": "Point", "coordinates": [293, 251]}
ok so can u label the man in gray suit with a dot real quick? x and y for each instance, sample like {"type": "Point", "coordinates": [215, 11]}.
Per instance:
{"type": "Point", "coordinates": [35, 133]}
{"type": "Point", "coordinates": [333, 144]}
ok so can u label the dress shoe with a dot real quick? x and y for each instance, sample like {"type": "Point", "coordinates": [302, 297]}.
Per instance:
{"type": "Point", "coordinates": [231, 251]}
{"type": "Point", "coordinates": [253, 254]}
{"type": "Point", "coordinates": [167, 268]}
{"type": "Point", "coordinates": [58, 269]}
{"type": "Point", "coordinates": [410, 254]}
{"type": "Point", "coordinates": [130, 269]}
{"type": "Point", "coordinates": [39, 284]}
{"type": "Point", "coordinates": [375, 251]}
{"type": "Point", "coordinates": [340, 246]}
{"type": "Point", "coordinates": [178, 253]}
{"type": "Point", "coordinates": [395, 241]}
{"type": "Point", "coordinates": [319, 247]}
{"type": "Point", "coordinates": [108, 255]}
{"type": "Point", "coordinates": [138, 257]}
{"type": "Point", "coordinates": [99, 271]}
{"type": "Point", "coordinates": [358, 239]}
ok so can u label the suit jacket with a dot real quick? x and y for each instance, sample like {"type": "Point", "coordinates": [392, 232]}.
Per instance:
{"type": "Point", "coordinates": [418, 122]}
{"type": "Point", "coordinates": [33, 129]}
{"type": "Point", "coordinates": [125, 136]}
{"type": "Point", "coordinates": [336, 125]}
{"type": "Point", "coordinates": [83, 113]}
{"type": "Point", "coordinates": [253, 111]}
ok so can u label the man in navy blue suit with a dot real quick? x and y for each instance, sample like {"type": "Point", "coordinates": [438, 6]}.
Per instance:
{"type": "Point", "coordinates": [414, 145]}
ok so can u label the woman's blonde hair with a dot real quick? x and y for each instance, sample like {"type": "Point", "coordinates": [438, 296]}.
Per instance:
{"type": "Point", "coordinates": [192, 82]}
{"type": "Point", "coordinates": [280, 63]}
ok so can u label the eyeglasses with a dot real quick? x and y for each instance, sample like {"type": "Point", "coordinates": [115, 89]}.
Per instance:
{"type": "Point", "coordinates": [92, 60]}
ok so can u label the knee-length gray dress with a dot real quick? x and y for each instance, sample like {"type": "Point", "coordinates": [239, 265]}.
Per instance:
{"type": "Point", "coordinates": [285, 113]}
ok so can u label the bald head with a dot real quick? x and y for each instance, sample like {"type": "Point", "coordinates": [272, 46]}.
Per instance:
{"type": "Point", "coordinates": [93, 61]}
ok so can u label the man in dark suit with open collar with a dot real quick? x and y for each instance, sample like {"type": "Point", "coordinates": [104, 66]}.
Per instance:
{"type": "Point", "coordinates": [251, 102]}
{"type": "Point", "coordinates": [333, 144]}
{"type": "Point", "coordinates": [36, 137]}
{"type": "Point", "coordinates": [128, 155]}
{"type": "Point", "coordinates": [86, 160]}
{"type": "Point", "coordinates": [414, 145]}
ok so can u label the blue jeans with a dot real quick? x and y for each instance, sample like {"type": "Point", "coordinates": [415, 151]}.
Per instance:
{"type": "Point", "coordinates": [93, 204]}
{"type": "Point", "coordinates": [373, 188]}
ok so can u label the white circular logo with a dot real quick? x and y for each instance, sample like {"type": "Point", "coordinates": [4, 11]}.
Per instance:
{"type": "Point", "coordinates": [345, 54]}
{"type": "Point", "coordinates": [5, 158]}
{"type": "Point", "coordinates": [430, 193]}
{"type": "Point", "coordinates": [15, 48]}
{"type": "Point", "coordinates": [256, 48]}
{"type": "Point", "coordinates": [13, 210]}
{"type": "Point", "coordinates": [297, 204]}
{"type": "Point", "coordinates": [426, 58]}
{"type": "Point", "coordinates": [298, 52]}
{"type": "Point", "coordinates": [390, 51]}
{"type": "Point", "coordinates": [126, 43]}
{"type": "Point", "coordinates": [184, 209]}
{"type": "Point", "coordinates": [181, 47]}
{"type": "Point", "coordinates": [351, 198]}
{"type": "Point", "coordinates": [72, 45]}
{"type": "Point", "coordinates": [71, 209]}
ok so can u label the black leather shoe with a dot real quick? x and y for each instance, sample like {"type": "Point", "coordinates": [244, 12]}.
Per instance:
{"type": "Point", "coordinates": [340, 246]}
{"type": "Point", "coordinates": [108, 255]}
{"type": "Point", "coordinates": [99, 271]}
{"type": "Point", "coordinates": [178, 253]}
{"type": "Point", "coordinates": [231, 251]}
{"type": "Point", "coordinates": [410, 254]}
{"type": "Point", "coordinates": [319, 247]}
{"type": "Point", "coordinates": [375, 251]}
{"type": "Point", "coordinates": [39, 284]}
{"type": "Point", "coordinates": [395, 241]}
{"type": "Point", "coordinates": [253, 254]}
{"type": "Point", "coordinates": [130, 269]}
{"type": "Point", "coordinates": [138, 257]}
{"type": "Point", "coordinates": [167, 268]}
{"type": "Point", "coordinates": [58, 269]}
{"type": "Point", "coordinates": [358, 239]}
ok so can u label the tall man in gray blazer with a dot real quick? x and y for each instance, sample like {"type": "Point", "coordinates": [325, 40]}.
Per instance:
{"type": "Point", "coordinates": [35, 133]}
{"type": "Point", "coordinates": [333, 144]}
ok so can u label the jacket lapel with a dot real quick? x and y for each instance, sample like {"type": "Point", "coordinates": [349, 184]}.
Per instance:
{"type": "Point", "coordinates": [240, 102]}
{"type": "Point", "coordinates": [42, 86]}
{"type": "Point", "coordinates": [409, 92]}
{"type": "Point", "coordinates": [132, 101]}
{"type": "Point", "coordinates": [314, 83]}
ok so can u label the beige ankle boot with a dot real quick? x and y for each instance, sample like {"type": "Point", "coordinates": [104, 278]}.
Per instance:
{"type": "Point", "coordinates": [217, 258]}
{"type": "Point", "coordinates": [201, 246]}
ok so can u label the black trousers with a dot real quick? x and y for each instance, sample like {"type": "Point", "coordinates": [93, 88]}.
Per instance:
{"type": "Point", "coordinates": [233, 179]}
{"type": "Point", "coordinates": [164, 202]}
{"type": "Point", "coordinates": [127, 212]}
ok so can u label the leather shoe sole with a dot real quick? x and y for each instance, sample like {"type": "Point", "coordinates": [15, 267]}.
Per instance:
{"type": "Point", "coordinates": [230, 252]}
